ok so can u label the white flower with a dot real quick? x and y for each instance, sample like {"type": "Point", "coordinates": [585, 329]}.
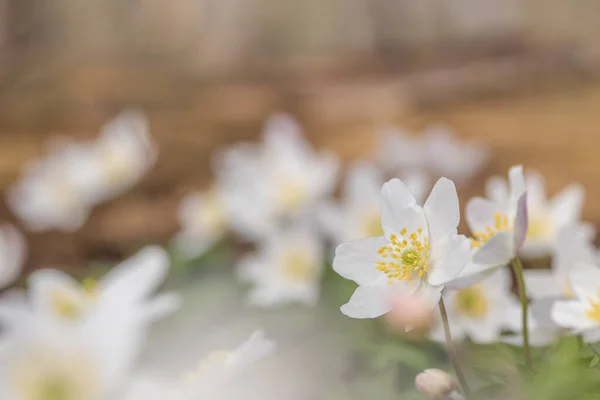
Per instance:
{"type": "Point", "coordinates": [358, 213]}
{"type": "Point", "coordinates": [52, 192]}
{"type": "Point", "coordinates": [574, 251]}
{"type": "Point", "coordinates": [203, 217]}
{"type": "Point", "coordinates": [420, 250]}
{"type": "Point", "coordinates": [287, 267]}
{"type": "Point", "coordinates": [542, 329]}
{"type": "Point", "coordinates": [126, 289]}
{"type": "Point", "coordinates": [478, 311]}
{"type": "Point", "coordinates": [435, 150]}
{"type": "Point", "coordinates": [152, 386]}
{"type": "Point", "coordinates": [280, 178]}
{"type": "Point", "coordinates": [581, 314]}
{"type": "Point", "coordinates": [418, 182]}
{"type": "Point", "coordinates": [218, 367]}
{"type": "Point", "coordinates": [546, 217]}
{"type": "Point", "coordinates": [12, 254]}
{"type": "Point", "coordinates": [122, 155]}
{"type": "Point", "coordinates": [498, 228]}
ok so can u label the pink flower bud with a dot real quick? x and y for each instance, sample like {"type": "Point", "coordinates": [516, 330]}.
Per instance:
{"type": "Point", "coordinates": [435, 383]}
{"type": "Point", "coordinates": [410, 312]}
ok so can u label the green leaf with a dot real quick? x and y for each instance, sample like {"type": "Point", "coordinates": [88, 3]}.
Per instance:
{"type": "Point", "coordinates": [594, 361]}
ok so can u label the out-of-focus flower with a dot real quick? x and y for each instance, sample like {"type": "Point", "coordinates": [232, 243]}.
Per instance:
{"type": "Point", "coordinates": [409, 312]}
{"type": "Point", "coordinates": [581, 314]}
{"type": "Point", "coordinates": [498, 229]}
{"type": "Point", "coordinates": [13, 249]}
{"type": "Point", "coordinates": [204, 219]}
{"type": "Point", "coordinates": [478, 311]}
{"type": "Point", "coordinates": [574, 251]}
{"type": "Point", "coordinates": [218, 367]}
{"type": "Point", "coordinates": [358, 214]}
{"type": "Point", "coordinates": [435, 150]}
{"type": "Point", "coordinates": [543, 331]}
{"type": "Point", "coordinates": [60, 190]}
{"type": "Point", "coordinates": [545, 217]}
{"type": "Point", "coordinates": [286, 268]}
{"type": "Point", "coordinates": [151, 386]}
{"type": "Point", "coordinates": [278, 179]}
{"type": "Point", "coordinates": [435, 384]}
{"type": "Point", "coordinates": [420, 250]}
{"type": "Point", "coordinates": [418, 182]}
{"type": "Point", "coordinates": [127, 288]}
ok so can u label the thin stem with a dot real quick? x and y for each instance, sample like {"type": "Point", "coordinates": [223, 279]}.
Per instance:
{"type": "Point", "coordinates": [518, 268]}
{"type": "Point", "coordinates": [452, 351]}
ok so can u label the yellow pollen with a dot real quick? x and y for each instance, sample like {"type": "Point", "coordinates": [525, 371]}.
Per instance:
{"type": "Point", "coordinates": [538, 227]}
{"type": "Point", "coordinates": [593, 311]}
{"type": "Point", "coordinates": [471, 302]}
{"type": "Point", "coordinates": [292, 195]}
{"type": "Point", "coordinates": [116, 167]}
{"type": "Point", "coordinates": [501, 223]}
{"type": "Point", "coordinates": [409, 256]}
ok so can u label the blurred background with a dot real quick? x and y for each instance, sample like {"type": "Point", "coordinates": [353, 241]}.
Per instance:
{"type": "Point", "coordinates": [521, 75]}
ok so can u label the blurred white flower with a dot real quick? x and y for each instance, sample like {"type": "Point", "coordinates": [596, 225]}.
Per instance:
{"type": "Point", "coordinates": [545, 217]}
{"type": "Point", "coordinates": [57, 297]}
{"type": "Point", "coordinates": [280, 178]}
{"type": "Point", "coordinates": [420, 250]}
{"type": "Point", "coordinates": [287, 267]}
{"type": "Point", "coordinates": [418, 182]}
{"type": "Point", "coordinates": [59, 191]}
{"type": "Point", "coordinates": [543, 331]}
{"type": "Point", "coordinates": [498, 229]}
{"type": "Point", "coordinates": [204, 219]}
{"type": "Point", "coordinates": [358, 213]}
{"type": "Point", "coordinates": [581, 314]}
{"type": "Point", "coordinates": [574, 251]}
{"type": "Point", "coordinates": [151, 386]}
{"type": "Point", "coordinates": [219, 367]}
{"type": "Point", "coordinates": [13, 249]}
{"type": "Point", "coordinates": [435, 150]}
{"type": "Point", "coordinates": [478, 311]}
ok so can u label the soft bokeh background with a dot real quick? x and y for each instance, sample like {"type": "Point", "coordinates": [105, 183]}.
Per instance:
{"type": "Point", "coordinates": [519, 75]}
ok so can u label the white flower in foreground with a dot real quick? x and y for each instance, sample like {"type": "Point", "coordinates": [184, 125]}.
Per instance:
{"type": "Point", "coordinates": [545, 217]}
{"type": "Point", "coordinates": [280, 178]}
{"type": "Point", "coordinates": [287, 267]}
{"type": "Point", "coordinates": [478, 311]}
{"type": "Point", "coordinates": [358, 213]}
{"type": "Point", "coordinates": [12, 254]}
{"type": "Point", "coordinates": [52, 194]}
{"type": "Point", "coordinates": [498, 229]}
{"type": "Point", "coordinates": [574, 251]}
{"type": "Point", "coordinates": [420, 250]}
{"type": "Point", "coordinates": [203, 218]}
{"type": "Point", "coordinates": [218, 367]}
{"type": "Point", "coordinates": [127, 288]}
{"type": "Point", "coordinates": [581, 314]}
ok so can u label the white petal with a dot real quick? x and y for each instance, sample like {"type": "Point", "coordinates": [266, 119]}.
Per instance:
{"type": "Point", "coordinates": [536, 191]}
{"type": "Point", "coordinates": [395, 198]}
{"type": "Point", "coordinates": [521, 223]}
{"type": "Point", "coordinates": [571, 314]}
{"type": "Point", "coordinates": [585, 283]}
{"type": "Point", "coordinates": [356, 260]}
{"type": "Point", "coordinates": [567, 204]}
{"type": "Point", "coordinates": [368, 301]}
{"type": "Point", "coordinates": [542, 283]}
{"type": "Point", "coordinates": [480, 213]}
{"type": "Point", "coordinates": [42, 283]}
{"type": "Point", "coordinates": [497, 251]}
{"type": "Point", "coordinates": [442, 210]}
{"type": "Point", "coordinates": [516, 183]}
{"type": "Point", "coordinates": [496, 189]}
{"type": "Point", "coordinates": [13, 249]}
{"type": "Point", "coordinates": [471, 274]}
{"type": "Point", "coordinates": [363, 184]}
{"type": "Point", "coordinates": [449, 258]}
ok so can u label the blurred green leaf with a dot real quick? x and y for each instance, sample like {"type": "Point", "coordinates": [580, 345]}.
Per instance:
{"type": "Point", "coordinates": [594, 361]}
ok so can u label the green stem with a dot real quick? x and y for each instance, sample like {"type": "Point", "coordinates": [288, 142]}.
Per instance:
{"type": "Point", "coordinates": [518, 268]}
{"type": "Point", "coordinates": [452, 352]}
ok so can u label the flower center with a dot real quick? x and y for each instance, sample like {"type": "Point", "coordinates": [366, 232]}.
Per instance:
{"type": "Point", "coordinates": [115, 166]}
{"type": "Point", "coordinates": [471, 302]}
{"type": "Point", "coordinates": [70, 304]}
{"type": "Point", "coordinates": [501, 223]}
{"type": "Point", "coordinates": [593, 311]}
{"type": "Point", "coordinates": [408, 254]}
{"type": "Point", "coordinates": [538, 227]}
{"type": "Point", "coordinates": [212, 215]}
{"type": "Point", "coordinates": [371, 224]}
{"type": "Point", "coordinates": [292, 195]}
{"type": "Point", "coordinates": [297, 266]}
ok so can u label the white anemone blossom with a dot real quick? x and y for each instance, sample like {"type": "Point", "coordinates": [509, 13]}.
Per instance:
{"type": "Point", "coordinates": [59, 191]}
{"type": "Point", "coordinates": [286, 268]}
{"type": "Point", "coordinates": [581, 313]}
{"type": "Point", "coordinates": [278, 179]}
{"type": "Point", "coordinates": [478, 311]}
{"type": "Point", "coordinates": [574, 252]}
{"type": "Point", "coordinates": [126, 290]}
{"type": "Point", "coordinates": [204, 220]}
{"type": "Point", "coordinates": [13, 250]}
{"type": "Point", "coordinates": [419, 251]}
{"type": "Point", "coordinates": [546, 216]}
{"type": "Point", "coordinates": [543, 331]}
{"type": "Point", "coordinates": [435, 150]}
{"type": "Point", "coordinates": [498, 229]}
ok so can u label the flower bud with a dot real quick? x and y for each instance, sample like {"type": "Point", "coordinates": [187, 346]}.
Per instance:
{"type": "Point", "coordinates": [410, 312]}
{"type": "Point", "coordinates": [435, 383]}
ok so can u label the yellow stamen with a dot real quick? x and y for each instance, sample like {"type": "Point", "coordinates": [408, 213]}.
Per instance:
{"type": "Point", "coordinates": [501, 223]}
{"type": "Point", "coordinates": [409, 256]}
